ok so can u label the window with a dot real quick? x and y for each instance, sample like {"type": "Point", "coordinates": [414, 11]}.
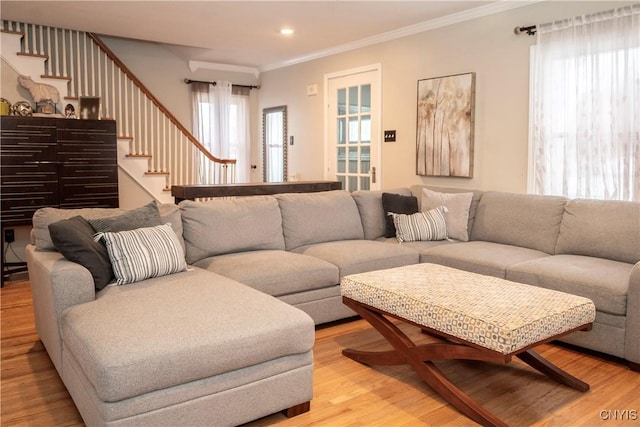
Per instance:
{"type": "Point", "coordinates": [221, 124]}
{"type": "Point", "coordinates": [585, 133]}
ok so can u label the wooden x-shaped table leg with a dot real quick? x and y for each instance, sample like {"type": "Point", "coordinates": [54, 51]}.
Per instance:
{"type": "Point", "coordinates": [420, 357]}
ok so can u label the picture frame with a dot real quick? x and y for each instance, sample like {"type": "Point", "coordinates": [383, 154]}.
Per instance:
{"type": "Point", "coordinates": [445, 126]}
{"type": "Point", "coordinates": [89, 107]}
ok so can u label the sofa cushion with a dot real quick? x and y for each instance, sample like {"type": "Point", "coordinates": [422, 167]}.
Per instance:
{"type": "Point", "coordinates": [372, 214]}
{"type": "Point", "coordinates": [73, 237]}
{"type": "Point", "coordinates": [230, 225]}
{"type": "Point", "coordinates": [525, 220]}
{"type": "Point", "coordinates": [275, 273]}
{"type": "Point", "coordinates": [171, 330]}
{"type": "Point", "coordinates": [143, 253]}
{"type": "Point", "coordinates": [319, 217]}
{"type": "Point", "coordinates": [457, 204]}
{"type": "Point", "coordinates": [601, 228]}
{"type": "Point", "coordinates": [357, 256]}
{"type": "Point", "coordinates": [170, 214]}
{"type": "Point", "coordinates": [45, 216]}
{"type": "Point", "coordinates": [398, 204]}
{"type": "Point", "coordinates": [419, 246]}
{"type": "Point", "coordinates": [603, 281]}
{"type": "Point", "coordinates": [144, 216]}
{"type": "Point", "coordinates": [429, 225]}
{"type": "Point", "coordinates": [488, 258]}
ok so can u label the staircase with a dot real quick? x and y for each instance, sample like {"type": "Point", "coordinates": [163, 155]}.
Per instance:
{"type": "Point", "coordinates": [154, 148]}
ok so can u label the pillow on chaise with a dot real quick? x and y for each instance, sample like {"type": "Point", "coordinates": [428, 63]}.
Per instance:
{"type": "Point", "coordinates": [144, 253]}
{"type": "Point", "coordinates": [457, 204]}
{"type": "Point", "coordinates": [145, 216]}
{"type": "Point", "coordinates": [73, 237]}
{"type": "Point", "coordinates": [430, 225]}
{"type": "Point", "coordinates": [399, 204]}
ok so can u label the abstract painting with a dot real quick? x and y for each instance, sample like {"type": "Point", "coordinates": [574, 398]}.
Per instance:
{"type": "Point", "coordinates": [444, 142]}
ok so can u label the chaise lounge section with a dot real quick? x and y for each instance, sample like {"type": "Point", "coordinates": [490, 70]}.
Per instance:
{"type": "Point", "coordinates": [177, 351]}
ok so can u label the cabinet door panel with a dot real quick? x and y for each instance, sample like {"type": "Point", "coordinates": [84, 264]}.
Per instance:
{"type": "Point", "coordinates": [29, 168]}
{"type": "Point", "coordinates": [88, 185]}
{"type": "Point", "coordinates": [87, 141]}
{"type": "Point", "coordinates": [27, 140]}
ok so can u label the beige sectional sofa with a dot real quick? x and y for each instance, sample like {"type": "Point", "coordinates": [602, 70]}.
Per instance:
{"type": "Point", "coordinates": [230, 339]}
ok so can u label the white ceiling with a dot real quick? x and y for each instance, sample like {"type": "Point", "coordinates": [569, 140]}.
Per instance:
{"type": "Point", "coordinates": [246, 33]}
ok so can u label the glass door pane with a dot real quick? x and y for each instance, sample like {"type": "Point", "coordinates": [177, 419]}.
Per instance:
{"type": "Point", "coordinates": [353, 166]}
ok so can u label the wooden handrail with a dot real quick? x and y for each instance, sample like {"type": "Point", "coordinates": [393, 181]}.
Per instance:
{"type": "Point", "coordinates": [157, 103]}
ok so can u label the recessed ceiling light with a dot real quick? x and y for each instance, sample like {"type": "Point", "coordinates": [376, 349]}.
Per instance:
{"type": "Point", "coordinates": [286, 31]}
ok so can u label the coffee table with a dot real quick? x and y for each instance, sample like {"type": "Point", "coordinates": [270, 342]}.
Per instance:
{"type": "Point", "coordinates": [475, 317]}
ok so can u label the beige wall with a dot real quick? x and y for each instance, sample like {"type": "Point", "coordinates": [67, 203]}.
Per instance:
{"type": "Point", "coordinates": [486, 46]}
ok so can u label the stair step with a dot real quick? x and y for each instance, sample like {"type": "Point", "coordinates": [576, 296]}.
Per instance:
{"type": "Point", "coordinates": [156, 173]}
{"type": "Point", "coordinates": [45, 76]}
{"type": "Point", "coordinates": [33, 55]}
{"type": "Point", "coordinates": [125, 137]}
{"type": "Point", "coordinates": [19, 33]}
{"type": "Point", "coordinates": [148, 156]}
{"type": "Point", "coordinates": [137, 167]}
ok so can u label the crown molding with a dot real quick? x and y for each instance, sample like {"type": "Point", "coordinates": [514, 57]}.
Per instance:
{"type": "Point", "coordinates": [467, 15]}
{"type": "Point", "coordinates": [203, 65]}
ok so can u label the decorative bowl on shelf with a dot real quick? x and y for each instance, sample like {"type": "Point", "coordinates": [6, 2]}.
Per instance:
{"type": "Point", "coordinates": [22, 108]}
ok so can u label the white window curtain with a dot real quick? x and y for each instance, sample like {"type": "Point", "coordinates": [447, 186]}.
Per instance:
{"type": "Point", "coordinates": [239, 140]}
{"type": "Point", "coordinates": [221, 124]}
{"type": "Point", "coordinates": [586, 106]}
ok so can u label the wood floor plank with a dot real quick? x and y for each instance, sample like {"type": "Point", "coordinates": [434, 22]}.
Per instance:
{"type": "Point", "coordinates": [346, 393]}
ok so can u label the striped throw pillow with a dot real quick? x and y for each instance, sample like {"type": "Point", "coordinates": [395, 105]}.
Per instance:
{"type": "Point", "coordinates": [144, 253]}
{"type": "Point", "coordinates": [428, 225]}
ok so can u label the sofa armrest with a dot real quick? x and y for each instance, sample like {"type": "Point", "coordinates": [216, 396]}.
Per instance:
{"type": "Point", "coordinates": [632, 338]}
{"type": "Point", "coordinates": [56, 284]}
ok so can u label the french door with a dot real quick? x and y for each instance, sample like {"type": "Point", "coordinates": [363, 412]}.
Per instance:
{"type": "Point", "coordinates": [352, 128]}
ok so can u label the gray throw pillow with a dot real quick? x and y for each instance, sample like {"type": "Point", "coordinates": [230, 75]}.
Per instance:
{"type": "Point", "coordinates": [73, 237]}
{"type": "Point", "coordinates": [145, 216]}
{"type": "Point", "coordinates": [457, 204]}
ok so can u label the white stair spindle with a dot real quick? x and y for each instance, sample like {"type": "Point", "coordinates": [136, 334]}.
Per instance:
{"type": "Point", "coordinates": [112, 91]}
{"type": "Point", "coordinates": [41, 44]}
{"type": "Point", "coordinates": [86, 62]}
{"type": "Point", "coordinates": [64, 53]}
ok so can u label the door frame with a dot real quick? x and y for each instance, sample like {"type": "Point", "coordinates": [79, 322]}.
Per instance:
{"type": "Point", "coordinates": [377, 130]}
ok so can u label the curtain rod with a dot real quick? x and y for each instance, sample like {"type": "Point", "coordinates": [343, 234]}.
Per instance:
{"type": "Point", "coordinates": [189, 81]}
{"type": "Point", "coordinates": [530, 30]}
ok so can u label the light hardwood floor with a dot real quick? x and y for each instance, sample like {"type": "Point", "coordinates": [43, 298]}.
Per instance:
{"type": "Point", "coordinates": [347, 393]}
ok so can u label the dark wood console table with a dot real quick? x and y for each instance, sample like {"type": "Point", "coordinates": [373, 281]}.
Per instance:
{"type": "Point", "coordinates": [192, 192]}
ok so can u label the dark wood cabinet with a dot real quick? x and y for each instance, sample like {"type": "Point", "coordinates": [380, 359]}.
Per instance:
{"type": "Point", "coordinates": [51, 162]}
{"type": "Point", "coordinates": [56, 162]}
